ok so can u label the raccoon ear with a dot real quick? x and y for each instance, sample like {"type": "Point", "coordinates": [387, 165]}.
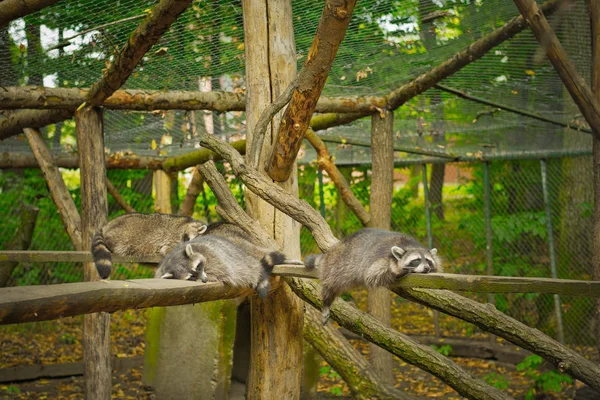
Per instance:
{"type": "Point", "coordinates": [189, 251]}
{"type": "Point", "coordinates": [397, 252]}
{"type": "Point", "coordinates": [202, 229]}
{"type": "Point", "coordinates": [433, 251]}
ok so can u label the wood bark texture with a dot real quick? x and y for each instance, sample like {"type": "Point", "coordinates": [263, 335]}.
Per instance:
{"type": "Point", "coordinates": [325, 162]}
{"type": "Point", "coordinates": [13, 9]}
{"type": "Point", "coordinates": [21, 240]}
{"type": "Point", "coordinates": [94, 214]}
{"type": "Point", "coordinates": [311, 80]}
{"type": "Point", "coordinates": [402, 346]}
{"type": "Point", "coordinates": [193, 158]}
{"type": "Point", "coordinates": [578, 89]}
{"type": "Point", "coordinates": [118, 197]}
{"type": "Point", "coordinates": [13, 123]}
{"type": "Point", "coordinates": [363, 382]}
{"type": "Point", "coordinates": [463, 58]}
{"type": "Point", "coordinates": [192, 193]}
{"type": "Point", "coordinates": [60, 194]}
{"type": "Point", "coordinates": [141, 40]}
{"type": "Point", "coordinates": [113, 161]}
{"type": "Point", "coordinates": [489, 319]}
{"type": "Point", "coordinates": [382, 182]}
{"type": "Point", "coordinates": [594, 7]}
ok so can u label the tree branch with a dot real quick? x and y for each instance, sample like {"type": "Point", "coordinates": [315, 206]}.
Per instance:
{"type": "Point", "coordinates": [346, 360]}
{"type": "Point", "coordinates": [60, 194]}
{"type": "Point", "coordinates": [311, 79]}
{"type": "Point", "coordinates": [200, 156]}
{"type": "Point", "coordinates": [21, 240]}
{"type": "Point", "coordinates": [402, 346]}
{"type": "Point", "coordinates": [463, 58]}
{"type": "Point", "coordinates": [13, 123]}
{"type": "Point", "coordinates": [141, 40]}
{"type": "Point", "coordinates": [192, 193]}
{"type": "Point", "coordinates": [489, 319]}
{"type": "Point", "coordinates": [13, 9]}
{"type": "Point", "coordinates": [117, 196]}
{"type": "Point", "coordinates": [580, 91]}
{"type": "Point", "coordinates": [297, 209]}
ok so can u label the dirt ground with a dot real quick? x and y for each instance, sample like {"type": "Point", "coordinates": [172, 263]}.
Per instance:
{"type": "Point", "coordinates": [55, 342]}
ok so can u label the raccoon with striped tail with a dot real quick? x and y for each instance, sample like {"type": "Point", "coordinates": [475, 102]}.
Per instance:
{"type": "Point", "coordinates": [370, 258]}
{"type": "Point", "coordinates": [139, 235]}
{"type": "Point", "coordinates": [212, 258]}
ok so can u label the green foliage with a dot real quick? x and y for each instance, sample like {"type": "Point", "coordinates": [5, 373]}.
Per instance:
{"type": "Point", "coordinates": [444, 350]}
{"type": "Point", "coordinates": [11, 389]}
{"type": "Point", "coordinates": [543, 382]}
{"type": "Point", "coordinates": [496, 380]}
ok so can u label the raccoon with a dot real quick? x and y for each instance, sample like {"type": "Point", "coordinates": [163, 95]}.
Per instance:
{"type": "Point", "coordinates": [139, 235]}
{"type": "Point", "coordinates": [213, 258]}
{"type": "Point", "coordinates": [371, 258]}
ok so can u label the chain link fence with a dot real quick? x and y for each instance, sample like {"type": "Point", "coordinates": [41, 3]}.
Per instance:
{"type": "Point", "coordinates": [517, 209]}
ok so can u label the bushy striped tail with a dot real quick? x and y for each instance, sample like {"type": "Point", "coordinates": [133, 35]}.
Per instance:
{"type": "Point", "coordinates": [102, 256]}
{"type": "Point", "coordinates": [268, 262]}
{"type": "Point", "coordinates": [312, 260]}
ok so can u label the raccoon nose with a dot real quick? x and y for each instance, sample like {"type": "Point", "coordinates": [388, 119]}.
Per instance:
{"type": "Point", "coordinates": [427, 269]}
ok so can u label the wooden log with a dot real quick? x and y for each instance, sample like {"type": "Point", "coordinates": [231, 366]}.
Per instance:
{"type": "Point", "coordinates": [489, 319]}
{"type": "Point", "coordinates": [21, 240]}
{"type": "Point", "coordinates": [21, 304]}
{"type": "Point", "coordinates": [13, 123]}
{"type": "Point", "coordinates": [193, 158]}
{"type": "Point", "coordinates": [191, 194]}
{"type": "Point", "coordinates": [60, 194]}
{"type": "Point", "coordinates": [298, 209]}
{"type": "Point", "coordinates": [382, 185]}
{"type": "Point", "coordinates": [311, 80]}
{"type": "Point", "coordinates": [39, 97]}
{"type": "Point", "coordinates": [113, 161]}
{"type": "Point", "coordinates": [117, 196]}
{"type": "Point", "coordinates": [402, 346]}
{"type": "Point", "coordinates": [325, 162]}
{"type": "Point", "coordinates": [13, 9]}
{"type": "Point", "coordinates": [38, 256]}
{"type": "Point", "coordinates": [573, 81]}
{"type": "Point", "coordinates": [94, 215]}
{"type": "Point", "coordinates": [346, 360]}
{"type": "Point", "coordinates": [463, 58]}
{"type": "Point", "coordinates": [141, 40]}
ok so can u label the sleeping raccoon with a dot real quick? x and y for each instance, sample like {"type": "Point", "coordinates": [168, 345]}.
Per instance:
{"type": "Point", "coordinates": [371, 258]}
{"type": "Point", "coordinates": [139, 235]}
{"type": "Point", "coordinates": [213, 258]}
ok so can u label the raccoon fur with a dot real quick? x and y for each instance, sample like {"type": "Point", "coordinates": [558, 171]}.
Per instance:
{"type": "Point", "coordinates": [213, 258]}
{"type": "Point", "coordinates": [370, 258]}
{"type": "Point", "coordinates": [139, 235]}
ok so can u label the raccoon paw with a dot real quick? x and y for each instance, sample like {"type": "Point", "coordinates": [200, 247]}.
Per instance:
{"type": "Point", "coordinates": [293, 262]}
{"type": "Point", "coordinates": [263, 288]}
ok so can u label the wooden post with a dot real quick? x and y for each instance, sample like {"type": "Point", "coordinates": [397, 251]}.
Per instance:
{"type": "Point", "coordinates": [193, 342]}
{"type": "Point", "coordinates": [94, 214]}
{"type": "Point", "coordinates": [276, 336]}
{"type": "Point", "coordinates": [382, 182]}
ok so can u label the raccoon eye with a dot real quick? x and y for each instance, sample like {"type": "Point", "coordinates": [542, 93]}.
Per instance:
{"type": "Point", "coordinates": [414, 263]}
{"type": "Point", "coordinates": [430, 263]}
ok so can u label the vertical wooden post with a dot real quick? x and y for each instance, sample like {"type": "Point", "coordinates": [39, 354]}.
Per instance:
{"type": "Point", "coordinates": [192, 343]}
{"type": "Point", "coordinates": [276, 335]}
{"type": "Point", "coordinates": [382, 184]}
{"type": "Point", "coordinates": [94, 214]}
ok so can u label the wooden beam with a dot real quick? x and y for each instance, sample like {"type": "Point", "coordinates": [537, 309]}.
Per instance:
{"type": "Point", "coordinates": [191, 194]}
{"type": "Point", "coordinates": [113, 161]}
{"type": "Point", "coordinates": [463, 58]}
{"type": "Point", "coordinates": [346, 360]}
{"type": "Point", "coordinates": [21, 240]}
{"type": "Point", "coordinates": [39, 97]}
{"type": "Point", "coordinates": [60, 194]}
{"type": "Point", "coordinates": [380, 210]}
{"type": "Point", "coordinates": [401, 345]}
{"type": "Point", "coordinates": [21, 304]}
{"type": "Point", "coordinates": [37, 256]}
{"type": "Point", "coordinates": [94, 215]}
{"type": "Point", "coordinates": [200, 156]}
{"type": "Point", "coordinates": [13, 9]}
{"type": "Point", "coordinates": [141, 40]}
{"type": "Point", "coordinates": [13, 123]}
{"type": "Point", "coordinates": [491, 320]}
{"type": "Point", "coordinates": [310, 82]}
{"type": "Point", "coordinates": [117, 197]}
{"type": "Point", "coordinates": [578, 89]}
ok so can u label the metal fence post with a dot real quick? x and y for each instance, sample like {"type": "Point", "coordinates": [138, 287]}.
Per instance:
{"type": "Point", "coordinates": [487, 206]}
{"type": "Point", "coordinates": [436, 314]}
{"type": "Point", "coordinates": [557, 303]}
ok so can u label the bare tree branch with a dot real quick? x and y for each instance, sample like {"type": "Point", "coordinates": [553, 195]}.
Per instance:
{"type": "Point", "coordinates": [13, 9]}
{"type": "Point", "coordinates": [192, 193]}
{"type": "Point", "coordinates": [13, 123]}
{"type": "Point", "coordinates": [117, 196]}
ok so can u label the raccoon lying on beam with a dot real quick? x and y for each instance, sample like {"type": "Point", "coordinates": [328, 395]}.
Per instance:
{"type": "Point", "coordinates": [232, 260]}
{"type": "Point", "coordinates": [140, 235]}
{"type": "Point", "coordinates": [371, 258]}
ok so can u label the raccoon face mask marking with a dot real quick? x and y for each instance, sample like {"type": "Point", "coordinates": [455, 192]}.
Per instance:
{"type": "Point", "coordinates": [413, 260]}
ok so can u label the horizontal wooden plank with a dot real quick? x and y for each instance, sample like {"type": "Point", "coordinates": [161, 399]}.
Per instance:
{"type": "Point", "coordinates": [67, 256]}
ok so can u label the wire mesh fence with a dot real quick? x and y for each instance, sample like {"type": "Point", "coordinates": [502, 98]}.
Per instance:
{"type": "Point", "coordinates": [517, 208]}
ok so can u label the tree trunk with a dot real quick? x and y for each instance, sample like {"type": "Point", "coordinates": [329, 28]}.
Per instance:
{"type": "Point", "coordinates": [34, 47]}
{"type": "Point", "coordinates": [195, 342]}
{"type": "Point", "coordinates": [270, 47]}
{"type": "Point", "coordinates": [382, 185]}
{"type": "Point", "coordinates": [94, 210]}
